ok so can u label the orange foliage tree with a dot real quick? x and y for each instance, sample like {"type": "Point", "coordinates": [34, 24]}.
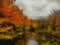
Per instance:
{"type": "Point", "coordinates": [13, 12]}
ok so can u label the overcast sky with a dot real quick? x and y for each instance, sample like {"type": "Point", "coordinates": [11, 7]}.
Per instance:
{"type": "Point", "coordinates": [34, 9]}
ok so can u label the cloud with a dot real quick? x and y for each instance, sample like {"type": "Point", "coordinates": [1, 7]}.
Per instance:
{"type": "Point", "coordinates": [34, 9]}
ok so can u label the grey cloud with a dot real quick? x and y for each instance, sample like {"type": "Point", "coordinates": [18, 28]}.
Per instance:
{"type": "Point", "coordinates": [34, 9]}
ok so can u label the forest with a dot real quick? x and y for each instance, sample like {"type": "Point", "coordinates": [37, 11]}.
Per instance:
{"type": "Point", "coordinates": [14, 24]}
